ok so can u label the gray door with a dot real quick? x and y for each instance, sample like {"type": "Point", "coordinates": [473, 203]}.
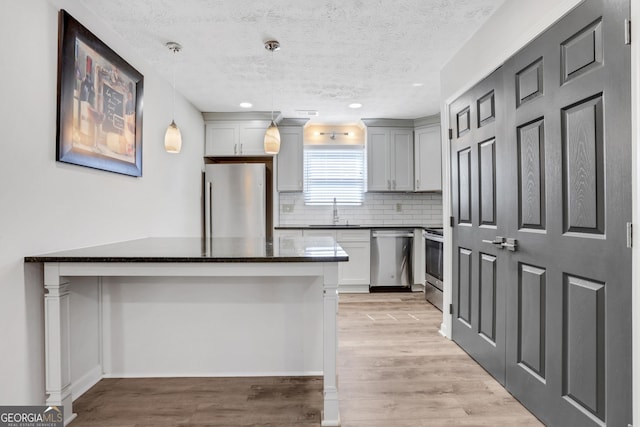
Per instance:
{"type": "Point", "coordinates": [566, 199]}
{"type": "Point", "coordinates": [479, 273]}
{"type": "Point", "coordinates": [569, 306]}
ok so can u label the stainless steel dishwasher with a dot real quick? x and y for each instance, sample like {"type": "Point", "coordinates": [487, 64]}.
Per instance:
{"type": "Point", "coordinates": [391, 258]}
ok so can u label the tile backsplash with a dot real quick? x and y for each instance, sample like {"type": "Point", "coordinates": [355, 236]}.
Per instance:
{"type": "Point", "coordinates": [377, 209]}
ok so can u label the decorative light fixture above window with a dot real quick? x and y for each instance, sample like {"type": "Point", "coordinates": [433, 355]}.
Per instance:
{"type": "Point", "coordinates": [173, 137]}
{"type": "Point", "coordinates": [332, 135]}
{"type": "Point", "coordinates": [272, 135]}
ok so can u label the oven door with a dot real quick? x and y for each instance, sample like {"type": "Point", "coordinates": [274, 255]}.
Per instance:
{"type": "Point", "coordinates": [433, 268]}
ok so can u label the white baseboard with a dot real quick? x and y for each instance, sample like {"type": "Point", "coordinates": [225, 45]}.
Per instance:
{"type": "Point", "coordinates": [417, 287]}
{"type": "Point", "coordinates": [216, 374]}
{"type": "Point", "coordinates": [85, 382]}
{"type": "Point", "coordinates": [443, 331]}
{"type": "Point", "coordinates": [353, 289]}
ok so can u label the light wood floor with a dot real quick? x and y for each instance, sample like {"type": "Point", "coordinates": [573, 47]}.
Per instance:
{"type": "Point", "coordinates": [395, 370]}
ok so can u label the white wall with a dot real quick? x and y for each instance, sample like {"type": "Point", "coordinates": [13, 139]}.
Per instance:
{"type": "Point", "coordinates": [47, 206]}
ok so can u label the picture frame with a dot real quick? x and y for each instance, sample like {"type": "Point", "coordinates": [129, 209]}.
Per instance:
{"type": "Point", "coordinates": [100, 98]}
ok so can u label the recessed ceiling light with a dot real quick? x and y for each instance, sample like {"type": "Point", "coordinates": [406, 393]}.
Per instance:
{"type": "Point", "coordinates": [355, 105]}
{"type": "Point", "coordinates": [418, 84]}
{"type": "Point", "coordinates": [246, 104]}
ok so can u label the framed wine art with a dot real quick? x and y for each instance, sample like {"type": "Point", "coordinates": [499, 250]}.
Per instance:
{"type": "Point", "coordinates": [99, 116]}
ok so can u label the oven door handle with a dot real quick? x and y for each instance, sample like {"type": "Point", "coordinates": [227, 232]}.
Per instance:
{"type": "Point", "coordinates": [434, 237]}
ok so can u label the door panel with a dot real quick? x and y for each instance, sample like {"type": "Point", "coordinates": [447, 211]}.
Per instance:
{"type": "Point", "coordinates": [583, 166]}
{"type": "Point", "coordinates": [531, 174]}
{"type": "Point", "coordinates": [583, 344]}
{"type": "Point", "coordinates": [487, 170]}
{"type": "Point", "coordinates": [464, 296]}
{"type": "Point", "coordinates": [558, 150]}
{"type": "Point", "coordinates": [464, 186]}
{"type": "Point", "coordinates": [487, 314]}
{"type": "Point", "coordinates": [532, 319]}
{"type": "Point", "coordinates": [479, 286]}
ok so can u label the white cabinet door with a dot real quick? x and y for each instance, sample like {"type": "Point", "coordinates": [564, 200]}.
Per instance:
{"type": "Point", "coordinates": [354, 275]}
{"type": "Point", "coordinates": [401, 150]}
{"type": "Point", "coordinates": [286, 233]}
{"type": "Point", "coordinates": [252, 138]}
{"type": "Point", "coordinates": [390, 159]}
{"type": "Point", "coordinates": [428, 159]}
{"type": "Point", "coordinates": [321, 232]}
{"type": "Point", "coordinates": [235, 138]}
{"type": "Point", "coordinates": [290, 160]}
{"type": "Point", "coordinates": [221, 139]}
{"type": "Point", "coordinates": [378, 171]}
{"type": "Point", "coordinates": [357, 271]}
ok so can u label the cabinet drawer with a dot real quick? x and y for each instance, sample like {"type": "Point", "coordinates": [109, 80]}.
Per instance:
{"type": "Point", "coordinates": [287, 233]}
{"type": "Point", "coordinates": [321, 232]}
{"type": "Point", "coordinates": [353, 235]}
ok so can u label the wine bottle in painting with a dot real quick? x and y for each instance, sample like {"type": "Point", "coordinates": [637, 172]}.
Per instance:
{"type": "Point", "coordinates": [87, 98]}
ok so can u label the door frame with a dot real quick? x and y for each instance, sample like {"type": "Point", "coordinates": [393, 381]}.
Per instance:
{"type": "Point", "coordinates": [483, 71]}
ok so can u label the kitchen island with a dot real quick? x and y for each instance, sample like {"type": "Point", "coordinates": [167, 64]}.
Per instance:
{"type": "Point", "coordinates": [304, 326]}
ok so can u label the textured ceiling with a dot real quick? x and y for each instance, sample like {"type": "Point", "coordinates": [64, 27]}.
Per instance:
{"type": "Point", "coordinates": [333, 52]}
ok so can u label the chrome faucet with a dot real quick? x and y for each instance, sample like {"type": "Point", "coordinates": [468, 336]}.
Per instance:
{"type": "Point", "coordinates": [336, 219]}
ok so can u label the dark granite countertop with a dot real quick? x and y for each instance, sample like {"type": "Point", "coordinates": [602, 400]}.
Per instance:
{"type": "Point", "coordinates": [351, 227]}
{"type": "Point", "coordinates": [197, 250]}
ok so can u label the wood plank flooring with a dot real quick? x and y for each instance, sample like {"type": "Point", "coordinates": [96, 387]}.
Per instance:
{"type": "Point", "coordinates": [395, 370]}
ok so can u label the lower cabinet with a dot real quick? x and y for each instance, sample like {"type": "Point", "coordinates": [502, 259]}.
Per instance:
{"type": "Point", "coordinates": [355, 274]}
{"type": "Point", "coordinates": [287, 233]}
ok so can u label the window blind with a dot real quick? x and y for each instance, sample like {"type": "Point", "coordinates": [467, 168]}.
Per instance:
{"type": "Point", "coordinates": [337, 171]}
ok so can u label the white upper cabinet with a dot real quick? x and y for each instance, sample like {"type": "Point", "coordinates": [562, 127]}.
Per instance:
{"type": "Point", "coordinates": [390, 159]}
{"type": "Point", "coordinates": [222, 139]}
{"type": "Point", "coordinates": [235, 134]}
{"type": "Point", "coordinates": [252, 138]}
{"type": "Point", "coordinates": [379, 170]}
{"type": "Point", "coordinates": [235, 138]}
{"type": "Point", "coordinates": [290, 157]}
{"type": "Point", "coordinates": [428, 159]}
{"type": "Point", "coordinates": [401, 151]}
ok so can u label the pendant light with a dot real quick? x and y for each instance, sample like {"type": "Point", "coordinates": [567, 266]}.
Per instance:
{"type": "Point", "coordinates": [272, 135]}
{"type": "Point", "coordinates": [173, 137]}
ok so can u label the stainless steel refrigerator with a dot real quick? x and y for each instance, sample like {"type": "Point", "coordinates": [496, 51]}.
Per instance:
{"type": "Point", "coordinates": [235, 200]}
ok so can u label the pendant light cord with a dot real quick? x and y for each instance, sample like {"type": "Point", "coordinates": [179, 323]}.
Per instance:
{"type": "Point", "coordinates": [173, 98]}
{"type": "Point", "coordinates": [272, 85]}
{"type": "Point", "coordinates": [175, 48]}
{"type": "Point", "coordinates": [272, 46]}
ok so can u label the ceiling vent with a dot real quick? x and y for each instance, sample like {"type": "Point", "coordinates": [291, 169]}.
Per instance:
{"type": "Point", "coordinates": [307, 113]}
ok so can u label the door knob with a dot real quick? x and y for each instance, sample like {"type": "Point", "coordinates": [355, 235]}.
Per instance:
{"type": "Point", "coordinates": [510, 244]}
{"type": "Point", "coordinates": [497, 241]}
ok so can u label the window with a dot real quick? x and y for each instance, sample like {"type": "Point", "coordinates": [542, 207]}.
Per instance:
{"type": "Point", "coordinates": [333, 171]}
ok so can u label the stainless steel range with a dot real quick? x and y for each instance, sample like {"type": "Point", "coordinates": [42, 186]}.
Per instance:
{"type": "Point", "coordinates": [433, 265]}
